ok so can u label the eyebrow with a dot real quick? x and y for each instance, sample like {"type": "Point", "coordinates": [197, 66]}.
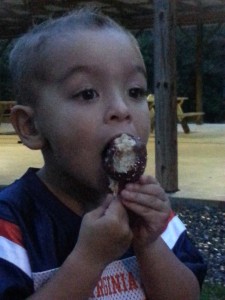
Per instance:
{"type": "Point", "coordinates": [73, 70]}
{"type": "Point", "coordinates": [89, 69]}
{"type": "Point", "coordinates": [141, 70]}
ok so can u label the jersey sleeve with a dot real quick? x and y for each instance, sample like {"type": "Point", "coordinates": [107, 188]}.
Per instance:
{"type": "Point", "coordinates": [15, 272]}
{"type": "Point", "coordinates": [176, 238]}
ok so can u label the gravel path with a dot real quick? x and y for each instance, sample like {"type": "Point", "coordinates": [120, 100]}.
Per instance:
{"type": "Point", "coordinates": [206, 227]}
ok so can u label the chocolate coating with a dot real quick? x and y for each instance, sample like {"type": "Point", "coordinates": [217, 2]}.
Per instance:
{"type": "Point", "coordinates": [124, 158]}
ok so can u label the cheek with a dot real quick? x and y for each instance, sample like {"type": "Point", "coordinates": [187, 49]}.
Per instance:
{"type": "Point", "coordinates": [78, 140]}
{"type": "Point", "coordinates": [143, 124]}
{"type": "Point", "coordinates": [85, 133]}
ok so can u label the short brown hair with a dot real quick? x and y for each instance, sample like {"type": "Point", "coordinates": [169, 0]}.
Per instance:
{"type": "Point", "coordinates": [26, 58]}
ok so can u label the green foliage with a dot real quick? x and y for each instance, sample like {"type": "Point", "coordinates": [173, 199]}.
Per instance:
{"type": "Point", "coordinates": [145, 40]}
{"type": "Point", "coordinates": [213, 68]}
{"type": "Point", "coordinates": [212, 292]}
{"type": "Point", "coordinates": [5, 89]}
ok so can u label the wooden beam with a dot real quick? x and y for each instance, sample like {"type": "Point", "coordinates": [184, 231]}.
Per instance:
{"type": "Point", "coordinates": [198, 65]}
{"type": "Point", "coordinates": [17, 16]}
{"type": "Point", "coordinates": [165, 94]}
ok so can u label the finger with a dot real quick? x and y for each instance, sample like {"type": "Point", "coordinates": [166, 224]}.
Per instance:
{"type": "Point", "coordinates": [116, 209]}
{"type": "Point", "coordinates": [108, 200]}
{"type": "Point", "coordinates": [96, 213]}
{"type": "Point", "coordinates": [148, 214]}
{"type": "Point", "coordinates": [149, 189]}
{"type": "Point", "coordinates": [101, 209]}
{"type": "Point", "coordinates": [146, 202]}
{"type": "Point", "coordinates": [148, 179]}
{"type": "Point", "coordinates": [143, 187]}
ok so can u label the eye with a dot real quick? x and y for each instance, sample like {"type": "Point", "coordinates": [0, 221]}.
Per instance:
{"type": "Point", "coordinates": [87, 94]}
{"type": "Point", "coordinates": [137, 93]}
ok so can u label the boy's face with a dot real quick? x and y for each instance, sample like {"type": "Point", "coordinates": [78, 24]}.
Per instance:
{"type": "Point", "coordinates": [96, 90]}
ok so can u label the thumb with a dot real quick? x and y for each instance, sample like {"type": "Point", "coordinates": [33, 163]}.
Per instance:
{"type": "Point", "coordinates": [100, 210]}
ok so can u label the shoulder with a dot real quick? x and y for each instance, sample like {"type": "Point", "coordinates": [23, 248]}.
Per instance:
{"type": "Point", "coordinates": [16, 198]}
{"type": "Point", "coordinates": [177, 239]}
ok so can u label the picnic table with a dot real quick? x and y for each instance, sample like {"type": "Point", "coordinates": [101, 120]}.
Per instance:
{"type": "Point", "coordinates": [5, 107]}
{"type": "Point", "coordinates": [182, 117]}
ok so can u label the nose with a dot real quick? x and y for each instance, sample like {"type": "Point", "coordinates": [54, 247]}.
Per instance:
{"type": "Point", "coordinates": [117, 110]}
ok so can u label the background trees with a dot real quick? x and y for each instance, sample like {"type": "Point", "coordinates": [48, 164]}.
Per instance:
{"type": "Point", "coordinates": [213, 68]}
{"type": "Point", "coordinates": [5, 89]}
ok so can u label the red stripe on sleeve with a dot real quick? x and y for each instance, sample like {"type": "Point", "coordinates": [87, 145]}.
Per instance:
{"type": "Point", "coordinates": [172, 214]}
{"type": "Point", "coordinates": [11, 232]}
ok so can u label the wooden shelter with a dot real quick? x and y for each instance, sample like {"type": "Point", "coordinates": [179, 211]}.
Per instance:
{"type": "Point", "coordinates": [16, 16]}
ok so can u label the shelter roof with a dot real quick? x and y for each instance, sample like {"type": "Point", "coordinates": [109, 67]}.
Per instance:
{"type": "Point", "coordinates": [16, 16]}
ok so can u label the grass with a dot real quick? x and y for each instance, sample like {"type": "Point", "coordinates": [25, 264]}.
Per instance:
{"type": "Point", "coordinates": [212, 292]}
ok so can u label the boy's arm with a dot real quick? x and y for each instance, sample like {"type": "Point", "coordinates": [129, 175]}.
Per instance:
{"type": "Point", "coordinates": [75, 279]}
{"type": "Point", "coordinates": [163, 275]}
{"type": "Point", "coordinates": [104, 236]}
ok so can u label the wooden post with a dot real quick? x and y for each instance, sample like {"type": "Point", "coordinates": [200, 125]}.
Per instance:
{"type": "Point", "coordinates": [199, 59]}
{"type": "Point", "coordinates": [165, 94]}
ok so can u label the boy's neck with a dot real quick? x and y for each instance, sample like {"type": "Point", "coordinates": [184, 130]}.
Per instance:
{"type": "Point", "coordinates": [75, 196]}
{"type": "Point", "coordinates": [65, 198]}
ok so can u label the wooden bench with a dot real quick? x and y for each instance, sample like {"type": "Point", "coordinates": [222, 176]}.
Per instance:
{"type": "Point", "coordinates": [151, 107]}
{"type": "Point", "coordinates": [182, 117]}
{"type": "Point", "coordinates": [5, 107]}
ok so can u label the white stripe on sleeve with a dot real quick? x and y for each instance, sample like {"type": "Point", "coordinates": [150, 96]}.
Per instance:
{"type": "Point", "coordinates": [173, 231]}
{"type": "Point", "coordinates": [14, 254]}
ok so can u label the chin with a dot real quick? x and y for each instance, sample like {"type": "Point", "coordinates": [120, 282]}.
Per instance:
{"type": "Point", "coordinates": [103, 185]}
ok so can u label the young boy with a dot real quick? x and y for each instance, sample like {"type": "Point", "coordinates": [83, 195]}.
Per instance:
{"type": "Point", "coordinates": [79, 81]}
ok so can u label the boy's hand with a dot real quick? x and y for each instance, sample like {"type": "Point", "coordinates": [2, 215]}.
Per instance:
{"type": "Point", "coordinates": [152, 208]}
{"type": "Point", "coordinates": [105, 233]}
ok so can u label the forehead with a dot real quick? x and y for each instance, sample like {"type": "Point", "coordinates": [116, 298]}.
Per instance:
{"type": "Point", "coordinates": [104, 49]}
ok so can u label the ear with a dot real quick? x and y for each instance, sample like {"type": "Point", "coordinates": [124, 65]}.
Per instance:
{"type": "Point", "coordinates": [23, 121]}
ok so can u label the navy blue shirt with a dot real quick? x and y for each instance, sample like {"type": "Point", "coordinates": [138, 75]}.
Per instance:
{"type": "Point", "coordinates": [38, 232]}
